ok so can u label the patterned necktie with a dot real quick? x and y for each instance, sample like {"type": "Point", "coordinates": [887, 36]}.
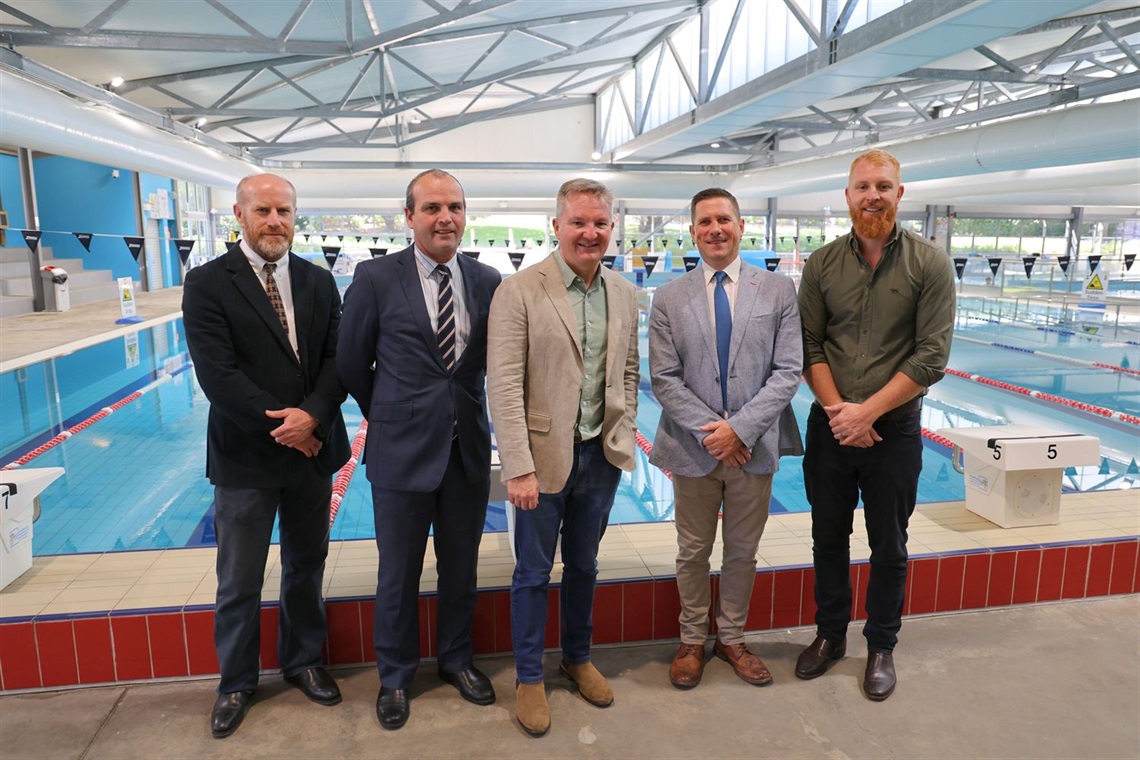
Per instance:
{"type": "Point", "coordinates": [275, 296]}
{"type": "Point", "coordinates": [723, 334]}
{"type": "Point", "coordinates": [445, 332]}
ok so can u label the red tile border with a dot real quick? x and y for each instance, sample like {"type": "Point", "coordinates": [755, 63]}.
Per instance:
{"type": "Point", "coordinates": [976, 581]}
{"type": "Point", "coordinates": [859, 580]}
{"type": "Point", "coordinates": [637, 611]}
{"type": "Point", "coordinates": [1025, 576]}
{"type": "Point", "coordinates": [1002, 572]}
{"type": "Point", "coordinates": [343, 631]}
{"type": "Point", "coordinates": [666, 609]}
{"type": "Point", "coordinates": [201, 654]}
{"type": "Point", "coordinates": [760, 606]}
{"type": "Point", "coordinates": [607, 614]}
{"type": "Point", "coordinates": [89, 650]}
{"type": "Point", "coordinates": [426, 627]}
{"type": "Point", "coordinates": [132, 647]}
{"type": "Point", "coordinates": [924, 589]}
{"type": "Point", "coordinates": [1076, 572]}
{"type": "Point", "coordinates": [787, 595]}
{"type": "Point", "coordinates": [1052, 574]}
{"type": "Point", "coordinates": [270, 620]}
{"type": "Point", "coordinates": [93, 650]}
{"type": "Point", "coordinates": [553, 634]}
{"type": "Point", "coordinates": [1100, 570]}
{"type": "Point", "coordinates": [951, 574]}
{"type": "Point", "coordinates": [19, 665]}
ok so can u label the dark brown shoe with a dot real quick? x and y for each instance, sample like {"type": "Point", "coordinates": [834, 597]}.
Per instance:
{"type": "Point", "coordinates": [820, 655]}
{"type": "Point", "coordinates": [879, 680]}
{"type": "Point", "coordinates": [748, 666]}
{"type": "Point", "coordinates": [688, 665]}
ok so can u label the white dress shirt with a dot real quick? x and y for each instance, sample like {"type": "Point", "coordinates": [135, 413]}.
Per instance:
{"type": "Point", "coordinates": [429, 281]}
{"type": "Point", "coordinates": [284, 286]}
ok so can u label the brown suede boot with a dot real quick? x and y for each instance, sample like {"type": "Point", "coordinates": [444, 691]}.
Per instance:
{"type": "Point", "coordinates": [531, 708]}
{"type": "Point", "coordinates": [591, 684]}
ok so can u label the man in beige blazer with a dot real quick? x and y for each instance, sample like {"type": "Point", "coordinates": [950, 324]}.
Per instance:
{"type": "Point", "coordinates": [562, 375]}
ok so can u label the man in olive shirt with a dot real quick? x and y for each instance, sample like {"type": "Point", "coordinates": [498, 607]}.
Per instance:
{"type": "Point", "coordinates": [877, 308]}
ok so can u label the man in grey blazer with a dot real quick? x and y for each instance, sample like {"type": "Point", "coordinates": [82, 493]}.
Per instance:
{"type": "Point", "coordinates": [725, 356]}
{"type": "Point", "coordinates": [562, 375]}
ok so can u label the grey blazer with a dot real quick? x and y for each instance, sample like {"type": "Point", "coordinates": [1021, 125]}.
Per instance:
{"type": "Point", "coordinates": [765, 362]}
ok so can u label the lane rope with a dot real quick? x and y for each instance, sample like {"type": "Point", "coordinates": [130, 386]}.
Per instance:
{"type": "Point", "coordinates": [1057, 357]}
{"type": "Point", "coordinates": [1098, 410]}
{"type": "Point", "coordinates": [344, 475]}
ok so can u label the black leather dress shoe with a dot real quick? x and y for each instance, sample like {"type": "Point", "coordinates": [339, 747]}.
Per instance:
{"type": "Point", "coordinates": [879, 679]}
{"type": "Point", "coordinates": [473, 685]}
{"type": "Point", "coordinates": [820, 655]}
{"type": "Point", "coordinates": [317, 685]}
{"type": "Point", "coordinates": [229, 711]}
{"type": "Point", "coordinates": [392, 708]}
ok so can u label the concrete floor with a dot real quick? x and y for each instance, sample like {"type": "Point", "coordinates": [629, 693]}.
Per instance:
{"type": "Point", "coordinates": [1056, 680]}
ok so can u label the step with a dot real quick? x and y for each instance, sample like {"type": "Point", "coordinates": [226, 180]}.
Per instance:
{"type": "Point", "coordinates": [104, 291]}
{"type": "Point", "coordinates": [14, 306]}
{"type": "Point", "coordinates": [22, 286]}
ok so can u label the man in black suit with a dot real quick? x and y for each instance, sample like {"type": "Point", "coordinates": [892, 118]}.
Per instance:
{"type": "Point", "coordinates": [261, 325]}
{"type": "Point", "coordinates": [413, 353]}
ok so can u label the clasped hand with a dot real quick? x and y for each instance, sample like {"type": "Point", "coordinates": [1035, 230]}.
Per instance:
{"type": "Point", "coordinates": [296, 430]}
{"type": "Point", "coordinates": [723, 443]}
{"type": "Point", "coordinates": [850, 425]}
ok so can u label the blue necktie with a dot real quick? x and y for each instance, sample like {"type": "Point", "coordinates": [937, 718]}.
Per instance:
{"type": "Point", "coordinates": [723, 334]}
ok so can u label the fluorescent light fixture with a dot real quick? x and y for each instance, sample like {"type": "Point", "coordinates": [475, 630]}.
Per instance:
{"type": "Point", "coordinates": [714, 145]}
{"type": "Point", "coordinates": [116, 82]}
{"type": "Point", "coordinates": [201, 122]}
{"type": "Point", "coordinates": [595, 155]}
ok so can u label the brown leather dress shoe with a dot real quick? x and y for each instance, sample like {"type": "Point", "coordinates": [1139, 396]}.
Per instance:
{"type": "Point", "coordinates": [879, 679]}
{"type": "Point", "coordinates": [688, 665]}
{"type": "Point", "coordinates": [748, 666]}
{"type": "Point", "coordinates": [820, 655]}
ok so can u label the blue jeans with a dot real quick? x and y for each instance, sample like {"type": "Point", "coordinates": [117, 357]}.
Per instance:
{"type": "Point", "coordinates": [580, 512]}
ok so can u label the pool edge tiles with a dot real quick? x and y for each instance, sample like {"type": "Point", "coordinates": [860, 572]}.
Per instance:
{"type": "Point", "coordinates": [636, 598]}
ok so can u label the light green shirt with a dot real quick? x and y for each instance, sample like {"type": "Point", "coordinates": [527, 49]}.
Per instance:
{"type": "Point", "coordinates": [589, 307]}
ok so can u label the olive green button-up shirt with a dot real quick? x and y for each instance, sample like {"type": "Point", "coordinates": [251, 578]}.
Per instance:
{"type": "Point", "coordinates": [869, 324]}
{"type": "Point", "coordinates": [589, 307]}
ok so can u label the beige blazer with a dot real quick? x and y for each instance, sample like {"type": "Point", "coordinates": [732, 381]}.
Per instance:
{"type": "Point", "coordinates": [534, 373]}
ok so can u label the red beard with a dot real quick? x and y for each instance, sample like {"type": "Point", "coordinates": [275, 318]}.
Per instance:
{"type": "Point", "coordinates": [874, 227]}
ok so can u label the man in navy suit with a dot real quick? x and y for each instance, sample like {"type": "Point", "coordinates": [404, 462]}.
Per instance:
{"type": "Point", "coordinates": [413, 353]}
{"type": "Point", "coordinates": [261, 325]}
{"type": "Point", "coordinates": [724, 356]}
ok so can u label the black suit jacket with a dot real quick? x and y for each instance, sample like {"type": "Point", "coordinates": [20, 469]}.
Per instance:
{"type": "Point", "coordinates": [389, 360]}
{"type": "Point", "coordinates": [245, 366]}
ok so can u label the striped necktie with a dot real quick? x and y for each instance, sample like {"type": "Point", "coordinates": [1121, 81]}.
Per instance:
{"type": "Point", "coordinates": [275, 296]}
{"type": "Point", "coordinates": [445, 332]}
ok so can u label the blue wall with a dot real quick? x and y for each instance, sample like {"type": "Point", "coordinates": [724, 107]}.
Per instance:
{"type": "Point", "coordinates": [171, 264]}
{"type": "Point", "coordinates": [79, 196]}
{"type": "Point", "coordinates": [12, 197]}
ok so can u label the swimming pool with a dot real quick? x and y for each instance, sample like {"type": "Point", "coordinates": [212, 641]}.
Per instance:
{"type": "Point", "coordinates": [135, 480]}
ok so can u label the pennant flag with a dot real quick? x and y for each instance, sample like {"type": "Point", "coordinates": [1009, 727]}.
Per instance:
{"type": "Point", "coordinates": [691, 262]}
{"type": "Point", "coordinates": [781, 239]}
{"type": "Point", "coordinates": [1133, 469]}
{"type": "Point", "coordinates": [377, 251]}
{"type": "Point", "coordinates": [608, 260]}
{"type": "Point", "coordinates": [1064, 262]}
{"type": "Point", "coordinates": [679, 241]}
{"type": "Point", "coordinates": [516, 258]}
{"type": "Point", "coordinates": [959, 265]}
{"type": "Point", "coordinates": [304, 238]}
{"type": "Point", "coordinates": [32, 238]}
{"type": "Point", "coordinates": [472, 254]}
{"type": "Point", "coordinates": [331, 252]}
{"type": "Point", "coordinates": [359, 238]}
{"type": "Point", "coordinates": [540, 239]}
{"type": "Point", "coordinates": [184, 246]}
{"type": "Point", "coordinates": [134, 245]}
{"type": "Point", "coordinates": [1129, 259]}
{"type": "Point", "coordinates": [85, 239]}
{"type": "Point", "coordinates": [772, 263]}
{"type": "Point", "coordinates": [994, 265]}
{"type": "Point", "coordinates": [619, 243]}
{"type": "Point", "coordinates": [1094, 261]}
{"type": "Point", "coordinates": [1028, 262]}
{"type": "Point", "coordinates": [809, 239]}
{"type": "Point", "coordinates": [408, 240]}
{"type": "Point", "coordinates": [492, 242]}
{"type": "Point", "coordinates": [375, 240]}
{"type": "Point", "coordinates": [650, 263]}
{"type": "Point", "coordinates": [753, 240]}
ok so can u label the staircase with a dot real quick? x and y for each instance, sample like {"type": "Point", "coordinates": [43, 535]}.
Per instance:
{"type": "Point", "coordinates": [84, 286]}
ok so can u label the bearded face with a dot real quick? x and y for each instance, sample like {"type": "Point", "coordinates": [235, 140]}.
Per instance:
{"type": "Point", "coordinates": [873, 195]}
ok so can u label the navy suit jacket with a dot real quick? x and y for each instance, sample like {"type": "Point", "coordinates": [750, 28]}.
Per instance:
{"type": "Point", "coordinates": [245, 366]}
{"type": "Point", "coordinates": [389, 360]}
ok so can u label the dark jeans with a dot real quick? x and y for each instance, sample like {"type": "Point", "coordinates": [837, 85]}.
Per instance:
{"type": "Point", "coordinates": [243, 522]}
{"type": "Point", "coordinates": [580, 512]}
{"type": "Point", "coordinates": [454, 513]}
{"type": "Point", "coordinates": [886, 475]}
